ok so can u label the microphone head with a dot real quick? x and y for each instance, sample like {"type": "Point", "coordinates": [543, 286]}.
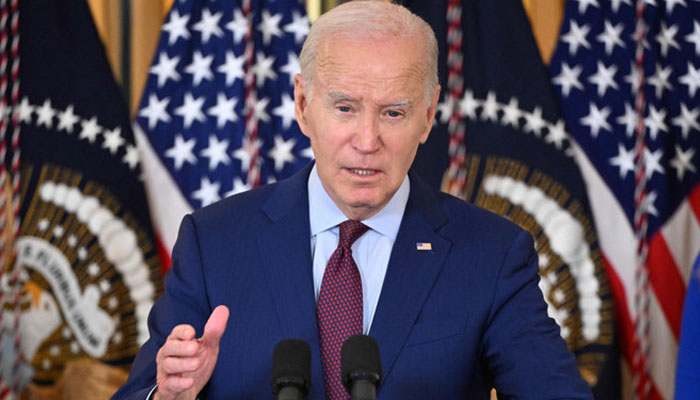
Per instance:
{"type": "Point", "coordinates": [291, 365]}
{"type": "Point", "coordinates": [359, 360]}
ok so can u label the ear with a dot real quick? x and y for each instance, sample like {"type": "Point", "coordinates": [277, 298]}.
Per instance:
{"type": "Point", "coordinates": [430, 114]}
{"type": "Point", "coordinates": [300, 103]}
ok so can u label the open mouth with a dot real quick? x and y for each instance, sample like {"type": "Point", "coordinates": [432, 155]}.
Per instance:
{"type": "Point", "coordinates": [363, 172]}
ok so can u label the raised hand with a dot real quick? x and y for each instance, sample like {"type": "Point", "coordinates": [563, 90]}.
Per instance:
{"type": "Point", "coordinates": [186, 363]}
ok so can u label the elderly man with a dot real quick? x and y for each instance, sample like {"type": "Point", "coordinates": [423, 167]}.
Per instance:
{"type": "Point", "coordinates": [448, 291]}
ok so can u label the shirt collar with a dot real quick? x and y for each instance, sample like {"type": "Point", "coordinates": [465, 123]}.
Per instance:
{"type": "Point", "coordinates": [324, 214]}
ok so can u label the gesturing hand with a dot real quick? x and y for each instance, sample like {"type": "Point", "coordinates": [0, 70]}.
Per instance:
{"type": "Point", "coordinates": [186, 363]}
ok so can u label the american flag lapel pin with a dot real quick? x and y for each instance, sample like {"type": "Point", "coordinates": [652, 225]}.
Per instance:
{"type": "Point", "coordinates": [424, 246]}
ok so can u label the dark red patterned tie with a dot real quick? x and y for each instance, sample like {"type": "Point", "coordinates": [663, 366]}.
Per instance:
{"type": "Point", "coordinates": [339, 306]}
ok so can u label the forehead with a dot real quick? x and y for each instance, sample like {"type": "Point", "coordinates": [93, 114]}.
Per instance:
{"type": "Point", "coordinates": [379, 66]}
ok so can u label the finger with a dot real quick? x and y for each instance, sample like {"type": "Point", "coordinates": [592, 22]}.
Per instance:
{"type": "Point", "coordinates": [178, 348]}
{"type": "Point", "coordinates": [215, 327]}
{"type": "Point", "coordinates": [175, 384]}
{"type": "Point", "coordinates": [182, 332]}
{"type": "Point", "coordinates": [180, 365]}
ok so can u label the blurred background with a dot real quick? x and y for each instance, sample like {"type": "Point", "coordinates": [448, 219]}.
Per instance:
{"type": "Point", "coordinates": [130, 31]}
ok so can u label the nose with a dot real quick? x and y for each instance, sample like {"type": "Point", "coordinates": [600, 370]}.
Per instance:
{"type": "Point", "coordinates": [366, 139]}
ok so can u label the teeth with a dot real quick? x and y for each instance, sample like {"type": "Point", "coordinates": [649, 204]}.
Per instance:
{"type": "Point", "coordinates": [363, 171]}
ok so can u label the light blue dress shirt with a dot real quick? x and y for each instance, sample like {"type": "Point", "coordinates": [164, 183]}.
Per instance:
{"type": "Point", "coordinates": [371, 251]}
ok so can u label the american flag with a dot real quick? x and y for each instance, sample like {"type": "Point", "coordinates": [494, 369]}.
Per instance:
{"type": "Point", "coordinates": [217, 114]}
{"type": "Point", "coordinates": [638, 152]}
{"type": "Point", "coordinates": [499, 142]}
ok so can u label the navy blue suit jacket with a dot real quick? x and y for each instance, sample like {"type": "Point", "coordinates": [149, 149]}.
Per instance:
{"type": "Point", "coordinates": [451, 322]}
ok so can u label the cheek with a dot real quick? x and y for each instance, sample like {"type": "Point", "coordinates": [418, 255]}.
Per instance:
{"type": "Point", "coordinates": [401, 151]}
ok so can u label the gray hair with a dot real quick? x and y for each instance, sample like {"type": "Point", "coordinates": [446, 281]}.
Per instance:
{"type": "Point", "coordinates": [369, 19]}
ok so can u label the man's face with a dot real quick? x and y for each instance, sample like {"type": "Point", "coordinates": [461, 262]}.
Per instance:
{"type": "Point", "coordinates": [366, 116]}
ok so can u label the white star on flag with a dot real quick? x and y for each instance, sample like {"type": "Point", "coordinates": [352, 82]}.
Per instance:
{"type": "Point", "coordinates": [568, 78]}
{"type": "Point", "coordinates": [166, 68]}
{"type": "Point", "coordinates": [208, 26]}
{"type": "Point", "coordinates": [216, 152]}
{"type": "Point", "coordinates": [660, 80]}
{"type": "Point", "coordinates": [282, 152]}
{"type": "Point", "coordinates": [490, 108]}
{"type": "Point", "coordinates": [224, 110]}
{"type": "Point", "coordinates": [191, 110]}
{"type": "Point", "coordinates": [623, 160]}
{"type": "Point", "coordinates": [238, 26]}
{"type": "Point", "coordinates": [292, 67]}
{"type": "Point", "coordinates": [576, 37]}
{"type": "Point", "coordinates": [583, 5]}
{"type": "Point", "coordinates": [682, 161]}
{"type": "Point", "coordinates": [113, 140]}
{"type": "Point", "coordinates": [67, 119]}
{"type": "Point", "coordinates": [652, 159]}
{"type": "Point", "coordinates": [691, 79]}
{"type": "Point", "coordinates": [511, 113]}
{"type": "Point", "coordinates": [270, 26]}
{"type": "Point", "coordinates": [611, 37]}
{"type": "Point", "coordinates": [238, 187]}
{"type": "Point", "coordinates": [666, 38]}
{"type": "Point", "coordinates": [176, 27]}
{"type": "Point", "coordinates": [628, 119]}
{"type": "Point", "coordinates": [263, 68]}
{"type": "Point", "coordinates": [655, 121]}
{"type": "Point", "coordinates": [90, 129]}
{"type": "Point", "coordinates": [131, 157]}
{"type": "Point", "coordinates": [694, 38]}
{"type": "Point", "coordinates": [208, 192]}
{"type": "Point", "coordinates": [534, 122]}
{"type": "Point", "coordinates": [200, 68]}
{"type": "Point", "coordinates": [232, 68]}
{"type": "Point", "coordinates": [285, 111]}
{"type": "Point", "coordinates": [181, 151]}
{"type": "Point", "coordinates": [45, 114]}
{"type": "Point", "coordinates": [604, 78]}
{"type": "Point", "coordinates": [155, 110]}
{"type": "Point", "coordinates": [687, 120]}
{"type": "Point", "coordinates": [25, 111]}
{"type": "Point", "coordinates": [597, 119]}
{"type": "Point", "coordinates": [467, 106]}
{"type": "Point", "coordinates": [299, 26]}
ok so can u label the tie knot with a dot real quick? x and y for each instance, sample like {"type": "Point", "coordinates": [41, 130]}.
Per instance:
{"type": "Point", "coordinates": [349, 232]}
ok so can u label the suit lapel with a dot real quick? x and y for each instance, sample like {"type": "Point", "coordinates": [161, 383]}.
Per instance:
{"type": "Point", "coordinates": [411, 272]}
{"type": "Point", "coordinates": [285, 249]}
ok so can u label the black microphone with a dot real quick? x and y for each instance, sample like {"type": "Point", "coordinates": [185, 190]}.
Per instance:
{"type": "Point", "coordinates": [291, 370]}
{"type": "Point", "coordinates": [361, 367]}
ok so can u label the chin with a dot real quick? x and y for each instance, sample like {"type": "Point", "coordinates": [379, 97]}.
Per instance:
{"type": "Point", "coordinates": [371, 204]}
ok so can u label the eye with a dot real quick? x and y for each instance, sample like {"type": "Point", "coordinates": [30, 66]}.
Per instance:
{"type": "Point", "coordinates": [343, 109]}
{"type": "Point", "coordinates": [394, 114]}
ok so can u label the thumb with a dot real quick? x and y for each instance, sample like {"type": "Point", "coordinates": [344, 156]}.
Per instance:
{"type": "Point", "coordinates": [215, 327]}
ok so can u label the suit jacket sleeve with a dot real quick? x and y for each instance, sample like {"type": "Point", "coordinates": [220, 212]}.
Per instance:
{"type": "Point", "coordinates": [183, 302]}
{"type": "Point", "coordinates": [522, 346]}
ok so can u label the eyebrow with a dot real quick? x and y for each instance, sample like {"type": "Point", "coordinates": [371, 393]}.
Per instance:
{"type": "Point", "coordinates": [400, 103]}
{"type": "Point", "coordinates": [339, 96]}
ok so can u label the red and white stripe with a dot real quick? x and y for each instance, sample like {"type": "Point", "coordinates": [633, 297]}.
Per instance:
{"type": "Point", "coordinates": [9, 122]}
{"type": "Point", "coordinates": [456, 172]}
{"type": "Point", "coordinates": [4, 122]}
{"type": "Point", "coordinates": [250, 97]}
{"type": "Point", "coordinates": [641, 363]}
{"type": "Point", "coordinates": [166, 215]}
{"type": "Point", "coordinates": [15, 173]}
{"type": "Point", "coordinates": [670, 258]}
